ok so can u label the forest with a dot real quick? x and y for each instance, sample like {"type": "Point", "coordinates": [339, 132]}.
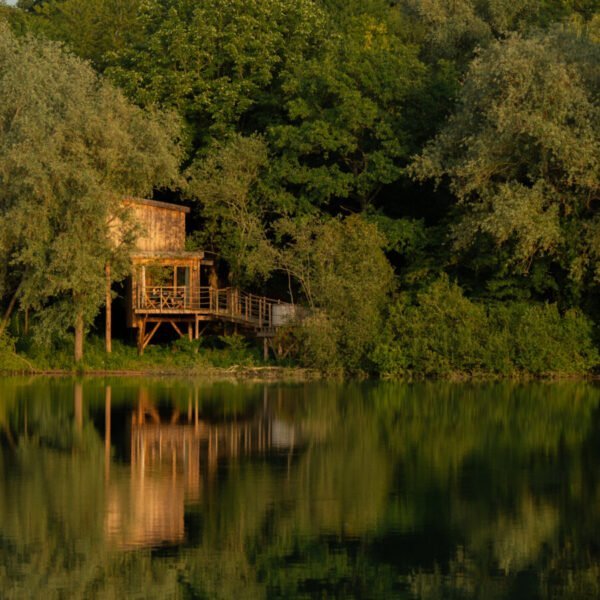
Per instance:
{"type": "Point", "coordinates": [421, 174]}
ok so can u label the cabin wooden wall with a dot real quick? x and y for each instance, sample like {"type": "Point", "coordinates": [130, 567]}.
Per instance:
{"type": "Point", "coordinates": [163, 226]}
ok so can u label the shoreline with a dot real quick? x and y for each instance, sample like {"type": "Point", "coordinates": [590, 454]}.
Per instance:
{"type": "Point", "coordinates": [262, 373]}
{"type": "Point", "coordinates": [293, 374]}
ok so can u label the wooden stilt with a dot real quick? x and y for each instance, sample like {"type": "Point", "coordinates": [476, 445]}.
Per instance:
{"type": "Point", "coordinates": [265, 349]}
{"type": "Point", "coordinates": [190, 331]}
{"type": "Point", "coordinates": [108, 332]}
{"type": "Point", "coordinates": [141, 335]}
{"type": "Point", "coordinates": [196, 410]}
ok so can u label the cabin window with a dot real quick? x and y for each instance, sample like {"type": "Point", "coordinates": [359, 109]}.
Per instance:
{"type": "Point", "coordinates": [158, 275]}
{"type": "Point", "coordinates": [182, 276]}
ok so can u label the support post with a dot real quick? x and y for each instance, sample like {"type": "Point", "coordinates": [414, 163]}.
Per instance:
{"type": "Point", "coordinates": [108, 332]}
{"type": "Point", "coordinates": [141, 335]}
{"type": "Point", "coordinates": [265, 349]}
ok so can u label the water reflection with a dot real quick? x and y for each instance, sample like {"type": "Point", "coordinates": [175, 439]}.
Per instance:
{"type": "Point", "coordinates": [184, 489]}
{"type": "Point", "coordinates": [172, 457]}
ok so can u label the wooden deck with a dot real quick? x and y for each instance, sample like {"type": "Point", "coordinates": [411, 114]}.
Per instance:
{"type": "Point", "coordinates": [185, 309]}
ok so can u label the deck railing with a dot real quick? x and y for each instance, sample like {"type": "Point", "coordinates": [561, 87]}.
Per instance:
{"type": "Point", "coordinates": [225, 302]}
{"type": "Point", "coordinates": [163, 298]}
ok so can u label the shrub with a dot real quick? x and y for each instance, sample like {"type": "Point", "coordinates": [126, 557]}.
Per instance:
{"type": "Point", "coordinates": [441, 333]}
{"type": "Point", "coordinates": [318, 342]}
{"type": "Point", "coordinates": [9, 359]}
{"type": "Point", "coordinates": [346, 279]}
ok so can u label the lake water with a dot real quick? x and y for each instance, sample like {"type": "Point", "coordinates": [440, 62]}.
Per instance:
{"type": "Point", "coordinates": [142, 488]}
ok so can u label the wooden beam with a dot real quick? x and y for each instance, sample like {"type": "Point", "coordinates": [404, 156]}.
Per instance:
{"type": "Point", "coordinates": [151, 334]}
{"type": "Point", "coordinates": [176, 328]}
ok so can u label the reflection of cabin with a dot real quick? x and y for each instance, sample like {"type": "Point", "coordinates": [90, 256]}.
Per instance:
{"type": "Point", "coordinates": [179, 288]}
{"type": "Point", "coordinates": [174, 457]}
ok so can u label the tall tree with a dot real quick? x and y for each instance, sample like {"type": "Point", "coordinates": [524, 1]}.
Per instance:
{"type": "Point", "coordinates": [345, 277]}
{"type": "Point", "coordinates": [71, 148]}
{"type": "Point", "coordinates": [216, 62]}
{"type": "Point", "coordinates": [345, 134]}
{"type": "Point", "coordinates": [454, 29]}
{"type": "Point", "coordinates": [226, 184]}
{"type": "Point", "coordinates": [522, 153]}
{"type": "Point", "coordinates": [93, 29]}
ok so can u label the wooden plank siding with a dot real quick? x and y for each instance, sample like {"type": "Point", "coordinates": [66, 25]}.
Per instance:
{"type": "Point", "coordinates": [162, 224]}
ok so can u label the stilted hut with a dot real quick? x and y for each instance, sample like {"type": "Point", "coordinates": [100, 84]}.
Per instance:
{"type": "Point", "coordinates": [175, 287]}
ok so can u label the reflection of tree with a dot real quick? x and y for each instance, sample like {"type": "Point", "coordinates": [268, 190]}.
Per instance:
{"type": "Point", "coordinates": [432, 491]}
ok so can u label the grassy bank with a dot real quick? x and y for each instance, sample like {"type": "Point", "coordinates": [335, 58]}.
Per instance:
{"type": "Point", "coordinates": [436, 333]}
{"type": "Point", "coordinates": [229, 357]}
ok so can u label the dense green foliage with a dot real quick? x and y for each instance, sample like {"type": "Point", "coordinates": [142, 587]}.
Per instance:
{"type": "Point", "coordinates": [522, 154]}
{"type": "Point", "coordinates": [441, 333]}
{"type": "Point", "coordinates": [346, 279]}
{"type": "Point", "coordinates": [180, 357]}
{"type": "Point", "coordinates": [459, 137]}
{"type": "Point", "coordinates": [71, 147]}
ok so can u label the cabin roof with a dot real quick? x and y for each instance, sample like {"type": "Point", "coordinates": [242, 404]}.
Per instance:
{"type": "Point", "coordinates": [157, 204]}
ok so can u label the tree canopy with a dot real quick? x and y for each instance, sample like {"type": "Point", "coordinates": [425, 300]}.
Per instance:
{"type": "Point", "coordinates": [522, 152]}
{"type": "Point", "coordinates": [72, 148]}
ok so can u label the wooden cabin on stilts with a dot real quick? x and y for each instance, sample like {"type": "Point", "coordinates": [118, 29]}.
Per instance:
{"type": "Point", "coordinates": [171, 286]}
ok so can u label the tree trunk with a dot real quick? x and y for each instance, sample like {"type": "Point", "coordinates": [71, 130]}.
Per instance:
{"type": "Point", "coordinates": [108, 331]}
{"type": "Point", "coordinates": [79, 338]}
{"type": "Point", "coordinates": [9, 310]}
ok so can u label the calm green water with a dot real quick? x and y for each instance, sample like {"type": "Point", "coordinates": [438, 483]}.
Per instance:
{"type": "Point", "coordinates": [137, 488]}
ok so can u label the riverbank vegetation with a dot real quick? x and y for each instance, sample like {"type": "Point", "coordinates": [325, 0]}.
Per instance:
{"type": "Point", "coordinates": [424, 177]}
